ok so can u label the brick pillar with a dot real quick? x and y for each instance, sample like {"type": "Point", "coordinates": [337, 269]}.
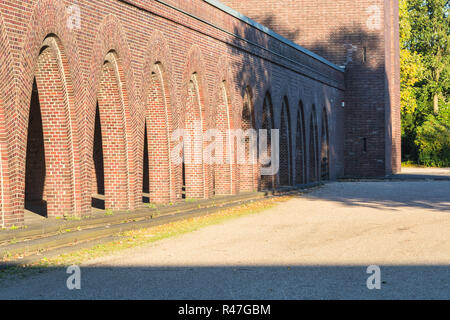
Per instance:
{"type": "Point", "coordinates": [300, 151]}
{"type": "Point", "coordinates": [114, 142]}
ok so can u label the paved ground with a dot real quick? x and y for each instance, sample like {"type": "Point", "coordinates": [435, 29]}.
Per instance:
{"type": "Point", "coordinates": [424, 173]}
{"type": "Point", "coordinates": [314, 247]}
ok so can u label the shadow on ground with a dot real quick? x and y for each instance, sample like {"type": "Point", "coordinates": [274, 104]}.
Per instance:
{"type": "Point", "coordinates": [239, 282]}
{"type": "Point", "coordinates": [431, 195]}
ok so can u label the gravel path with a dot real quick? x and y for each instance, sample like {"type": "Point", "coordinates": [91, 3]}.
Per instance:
{"type": "Point", "coordinates": [317, 246]}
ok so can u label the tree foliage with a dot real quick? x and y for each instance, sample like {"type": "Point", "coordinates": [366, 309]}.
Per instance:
{"type": "Point", "coordinates": [425, 76]}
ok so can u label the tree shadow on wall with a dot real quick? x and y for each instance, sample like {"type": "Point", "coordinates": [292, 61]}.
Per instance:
{"type": "Point", "coordinates": [365, 115]}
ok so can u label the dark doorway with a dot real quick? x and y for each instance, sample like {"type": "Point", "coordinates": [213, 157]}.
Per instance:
{"type": "Point", "coordinates": [98, 200]}
{"type": "Point", "coordinates": [35, 170]}
{"type": "Point", "coordinates": [183, 178]}
{"type": "Point", "coordinates": [146, 171]}
{"type": "Point", "coordinates": [300, 166]}
{"type": "Point", "coordinates": [313, 177]}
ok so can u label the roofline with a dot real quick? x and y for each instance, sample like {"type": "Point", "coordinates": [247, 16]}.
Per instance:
{"type": "Point", "coordinates": [219, 5]}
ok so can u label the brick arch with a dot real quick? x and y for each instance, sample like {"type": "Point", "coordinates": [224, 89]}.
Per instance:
{"type": "Point", "coordinates": [325, 147]}
{"type": "Point", "coordinates": [263, 87]}
{"type": "Point", "coordinates": [300, 147]}
{"type": "Point", "coordinates": [111, 46]}
{"type": "Point", "coordinates": [313, 147]}
{"type": "Point", "coordinates": [159, 99]}
{"type": "Point", "coordinates": [115, 137]}
{"type": "Point", "coordinates": [6, 88]}
{"type": "Point", "coordinates": [260, 92]}
{"type": "Point", "coordinates": [225, 172]}
{"type": "Point", "coordinates": [248, 179]}
{"type": "Point", "coordinates": [47, 28]}
{"type": "Point", "coordinates": [268, 123]}
{"type": "Point", "coordinates": [194, 103]}
{"type": "Point", "coordinates": [49, 178]}
{"type": "Point", "coordinates": [285, 172]}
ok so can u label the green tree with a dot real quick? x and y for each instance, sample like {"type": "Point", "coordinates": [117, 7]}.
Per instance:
{"type": "Point", "coordinates": [430, 37]}
{"type": "Point", "coordinates": [425, 54]}
{"type": "Point", "coordinates": [411, 66]}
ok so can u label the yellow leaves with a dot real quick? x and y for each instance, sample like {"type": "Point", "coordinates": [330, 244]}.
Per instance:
{"type": "Point", "coordinates": [411, 72]}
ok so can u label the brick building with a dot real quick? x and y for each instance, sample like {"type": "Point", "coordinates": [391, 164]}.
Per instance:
{"type": "Point", "coordinates": [92, 92]}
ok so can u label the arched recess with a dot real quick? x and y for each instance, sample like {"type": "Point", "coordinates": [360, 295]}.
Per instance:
{"type": "Point", "coordinates": [313, 147]}
{"type": "Point", "coordinates": [226, 161]}
{"type": "Point", "coordinates": [267, 124]}
{"type": "Point", "coordinates": [195, 172]}
{"type": "Point", "coordinates": [194, 166]}
{"type": "Point", "coordinates": [49, 37]}
{"type": "Point", "coordinates": [325, 148]}
{"type": "Point", "coordinates": [158, 119]}
{"type": "Point", "coordinates": [113, 129]}
{"type": "Point", "coordinates": [285, 171]}
{"type": "Point", "coordinates": [159, 99]}
{"type": "Point", "coordinates": [248, 181]}
{"type": "Point", "coordinates": [110, 55]}
{"type": "Point", "coordinates": [300, 148]}
{"type": "Point", "coordinates": [50, 167]}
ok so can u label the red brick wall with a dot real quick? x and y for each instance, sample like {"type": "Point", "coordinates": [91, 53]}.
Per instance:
{"type": "Point", "coordinates": [152, 52]}
{"type": "Point", "coordinates": [344, 31]}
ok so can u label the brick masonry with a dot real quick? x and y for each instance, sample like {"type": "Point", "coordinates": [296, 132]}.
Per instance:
{"type": "Point", "coordinates": [82, 91]}
{"type": "Point", "coordinates": [363, 36]}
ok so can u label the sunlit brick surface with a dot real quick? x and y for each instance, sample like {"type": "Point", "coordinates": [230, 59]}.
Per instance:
{"type": "Point", "coordinates": [106, 70]}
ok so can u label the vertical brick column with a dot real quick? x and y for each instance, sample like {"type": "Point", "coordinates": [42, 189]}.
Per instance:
{"type": "Point", "coordinates": [59, 188]}
{"type": "Point", "coordinates": [300, 147]}
{"type": "Point", "coordinates": [247, 171]}
{"type": "Point", "coordinates": [113, 137]}
{"type": "Point", "coordinates": [285, 145]}
{"type": "Point", "coordinates": [313, 141]}
{"type": "Point", "coordinates": [325, 148]}
{"type": "Point", "coordinates": [224, 169]}
{"type": "Point", "coordinates": [193, 145]}
{"type": "Point", "coordinates": [158, 141]}
{"type": "Point", "coordinates": [268, 182]}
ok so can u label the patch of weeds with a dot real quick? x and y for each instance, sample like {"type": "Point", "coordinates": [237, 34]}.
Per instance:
{"type": "Point", "coordinates": [156, 215]}
{"type": "Point", "coordinates": [152, 206]}
{"type": "Point", "coordinates": [190, 200]}
{"type": "Point", "coordinates": [71, 218]}
{"type": "Point", "coordinates": [109, 212]}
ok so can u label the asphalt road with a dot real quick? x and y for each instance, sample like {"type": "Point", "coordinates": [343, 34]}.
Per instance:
{"type": "Point", "coordinates": [317, 246]}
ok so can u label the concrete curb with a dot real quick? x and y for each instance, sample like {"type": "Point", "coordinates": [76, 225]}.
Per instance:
{"type": "Point", "coordinates": [56, 227]}
{"type": "Point", "coordinates": [53, 244]}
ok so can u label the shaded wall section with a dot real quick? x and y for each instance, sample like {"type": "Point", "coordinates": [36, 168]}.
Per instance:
{"type": "Point", "coordinates": [102, 148]}
{"type": "Point", "coordinates": [363, 37]}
